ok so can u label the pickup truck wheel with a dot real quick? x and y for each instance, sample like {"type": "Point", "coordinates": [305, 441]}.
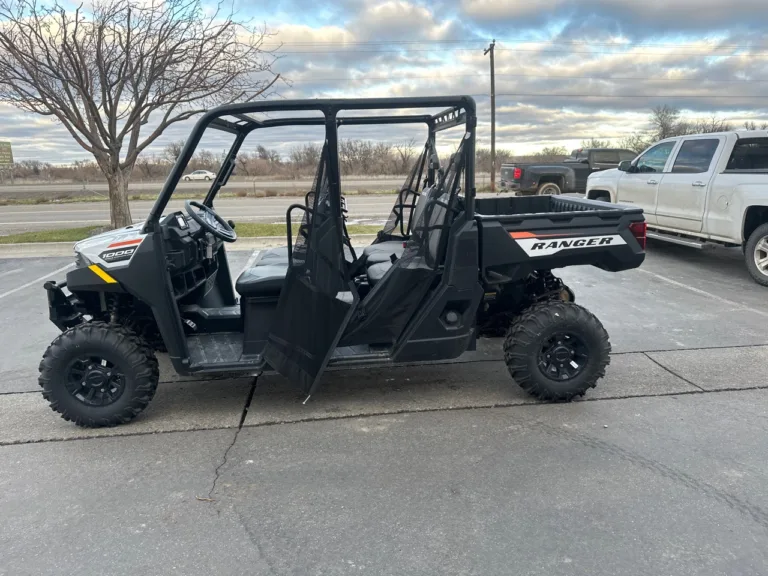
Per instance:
{"type": "Point", "coordinates": [756, 255]}
{"type": "Point", "coordinates": [556, 351]}
{"type": "Point", "coordinates": [98, 374]}
{"type": "Point", "coordinates": [549, 189]}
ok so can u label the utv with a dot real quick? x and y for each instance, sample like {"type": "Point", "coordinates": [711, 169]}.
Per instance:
{"type": "Point", "coordinates": [446, 268]}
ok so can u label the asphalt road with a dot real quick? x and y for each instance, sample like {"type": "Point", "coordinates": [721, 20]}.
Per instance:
{"type": "Point", "coordinates": [49, 216]}
{"type": "Point", "coordinates": [441, 469]}
{"type": "Point", "coordinates": [366, 209]}
{"type": "Point", "coordinates": [91, 188]}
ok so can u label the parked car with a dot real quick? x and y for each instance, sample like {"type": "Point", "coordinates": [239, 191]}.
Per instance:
{"type": "Point", "coordinates": [553, 178]}
{"type": "Point", "coordinates": [200, 175]}
{"type": "Point", "coordinates": [698, 190]}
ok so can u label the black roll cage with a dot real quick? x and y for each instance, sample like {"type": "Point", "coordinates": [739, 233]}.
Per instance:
{"type": "Point", "coordinates": [457, 110]}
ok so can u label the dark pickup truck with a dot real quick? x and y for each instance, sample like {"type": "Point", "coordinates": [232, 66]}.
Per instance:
{"type": "Point", "coordinates": [555, 178]}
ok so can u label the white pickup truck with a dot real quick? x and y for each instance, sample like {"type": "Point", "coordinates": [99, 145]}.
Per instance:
{"type": "Point", "coordinates": [697, 190]}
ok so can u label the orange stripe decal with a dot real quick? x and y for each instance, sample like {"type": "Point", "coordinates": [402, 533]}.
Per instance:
{"type": "Point", "coordinates": [521, 235]}
{"type": "Point", "coordinates": [126, 243]}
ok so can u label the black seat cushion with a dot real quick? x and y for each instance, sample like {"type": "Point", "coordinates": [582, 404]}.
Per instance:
{"type": "Point", "coordinates": [377, 271]}
{"type": "Point", "coordinates": [274, 256]}
{"type": "Point", "coordinates": [382, 256]}
{"type": "Point", "coordinates": [388, 247]}
{"type": "Point", "coordinates": [264, 280]}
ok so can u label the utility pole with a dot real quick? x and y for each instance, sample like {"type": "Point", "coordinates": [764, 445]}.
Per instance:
{"type": "Point", "coordinates": [493, 115]}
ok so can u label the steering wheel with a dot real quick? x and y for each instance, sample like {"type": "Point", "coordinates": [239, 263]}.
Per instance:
{"type": "Point", "coordinates": [210, 221]}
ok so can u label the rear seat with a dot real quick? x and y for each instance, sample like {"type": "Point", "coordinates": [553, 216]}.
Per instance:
{"type": "Point", "coordinates": [376, 270]}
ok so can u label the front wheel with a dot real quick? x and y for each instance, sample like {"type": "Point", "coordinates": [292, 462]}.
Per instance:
{"type": "Point", "coordinates": [549, 189]}
{"type": "Point", "coordinates": [756, 255]}
{"type": "Point", "coordinates": [98, 374]}
{"type": "Point", "coordinates": [557, 351]}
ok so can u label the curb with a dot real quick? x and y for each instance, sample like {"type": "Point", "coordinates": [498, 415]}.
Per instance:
{"type": "Point", "coordinates": [44, 249]}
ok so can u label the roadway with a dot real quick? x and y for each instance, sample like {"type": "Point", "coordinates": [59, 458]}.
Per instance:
{"type": "Point", "coordinates": [23, 218]}
{"type": "Point", "coordinates": [93, 188]}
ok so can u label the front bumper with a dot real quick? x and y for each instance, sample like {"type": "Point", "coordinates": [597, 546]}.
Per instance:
{"type": "Point", "coordinates": [62, 309]}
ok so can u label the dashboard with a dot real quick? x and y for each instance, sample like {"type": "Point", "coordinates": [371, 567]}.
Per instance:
{"type": "Point", "coordinates": [191, 253]}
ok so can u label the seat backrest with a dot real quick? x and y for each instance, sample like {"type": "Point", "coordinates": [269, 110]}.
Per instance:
{"type": "Point", "coordinates": [402, 218]}
{"type": "Point", "coordinates": [435, 209]}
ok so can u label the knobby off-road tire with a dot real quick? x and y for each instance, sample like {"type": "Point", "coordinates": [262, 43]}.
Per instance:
{"type": "Point", "coordinates": [537, 331]}
{"type": "Point", "coordinates": [130, 363]}
{"type": "Point", "coordinates": [757, 248]}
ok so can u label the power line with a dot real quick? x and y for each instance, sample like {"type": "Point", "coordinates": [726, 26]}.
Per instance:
{"type": "Point", "coordinates": [521, 50]}
{"type": "Point", "coordinates": [615, 96]}
{"type": "Point", "coordinates": [510, 43]}
{"type": "Point", "coordinates": [545, 76]}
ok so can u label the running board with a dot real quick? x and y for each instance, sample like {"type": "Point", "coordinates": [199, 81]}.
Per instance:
{"type": "Point", "coordinates": [359, 356]}
{"type": "Point", "coordinates": [679, 240]}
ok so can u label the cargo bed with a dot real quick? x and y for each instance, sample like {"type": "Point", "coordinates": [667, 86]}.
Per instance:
{"type": "Point", "coordinates": [519, 235]}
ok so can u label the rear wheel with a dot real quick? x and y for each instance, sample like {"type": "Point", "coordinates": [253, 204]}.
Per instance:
{"type": "Point", "coordinates": [549, 189]}
{"type": "Point", "coordinates": [756, 255]}
{"type": "Point", "coordinates": [557, 350]}
{"type": "Point", "coordinates": [98, 374]}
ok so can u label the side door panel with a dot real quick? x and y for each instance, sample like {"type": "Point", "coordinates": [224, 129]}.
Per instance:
{"type": "Point", "coordinates": [683, 192]}
{"type": "Point", "coordinates": [317, 301]}
{"type": "Point", "coordinates": [640, 187]}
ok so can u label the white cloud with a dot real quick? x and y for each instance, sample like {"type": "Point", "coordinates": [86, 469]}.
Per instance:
{"type": "Point", "coordinates": [551, 92]}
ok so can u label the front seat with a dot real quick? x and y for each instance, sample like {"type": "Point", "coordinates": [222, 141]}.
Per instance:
{"type": "Point", "coordinates": [263, 280]}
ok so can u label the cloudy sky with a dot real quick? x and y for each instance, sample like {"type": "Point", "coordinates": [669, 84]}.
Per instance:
{"type": "Point", "coordinates": [565, 69]}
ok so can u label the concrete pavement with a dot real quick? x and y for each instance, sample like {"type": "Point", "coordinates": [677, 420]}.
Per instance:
{"type": "Point", "coordinates": [635, 486]}
{"type": "Point", "coordinates": [441, 469]}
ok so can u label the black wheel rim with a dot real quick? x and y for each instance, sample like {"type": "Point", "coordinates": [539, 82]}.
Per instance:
{"type": "Point", "coordinates": [563, 356]}
{"type": "Point", "coordinates": [95, 381]}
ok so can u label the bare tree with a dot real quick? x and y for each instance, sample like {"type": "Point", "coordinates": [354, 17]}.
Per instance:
{"type": "Point", "coordinates": [405, 155]}
{"type": "Point", "coordinates": [149, 166]}
{"type": "Point", "coordinates": [108, 70]}
{"type": "Point", "coordinates": [752, 125]}
{"type": "Point", "coordinates": [710, 125]}
{"type": "Point", "coordinates": [552, 153]}
{"type": "Point", "coordinates": [636, 142]}
{"type": "Point", "coordinates": [172, 151]}
{"type": "Point", "coordinates": [595, 143]}
{"type": "Point", "coordinates": [665, 122]}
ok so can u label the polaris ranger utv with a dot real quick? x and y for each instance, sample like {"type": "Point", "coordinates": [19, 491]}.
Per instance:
{"type": "Point", "coordinates": [446, 268]}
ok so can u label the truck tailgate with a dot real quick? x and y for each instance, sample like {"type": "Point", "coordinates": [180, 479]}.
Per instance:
{"type": "Point", "coordinates": [521, 234]}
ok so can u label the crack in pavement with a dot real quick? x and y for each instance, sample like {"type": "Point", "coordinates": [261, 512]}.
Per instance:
{"type": "Point", "coordinates": [376, 414]}
{"type": "Point", "coordinates": [740, 505]}
{"type": "Point", "coordinates": [216, 473]}
{"type": "Point", "coordinates": [675, 374]}
{"type": "Point", "coordinates": [455, 362]}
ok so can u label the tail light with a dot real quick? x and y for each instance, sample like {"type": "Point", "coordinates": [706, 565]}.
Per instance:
{"type": "Point", "coordinates": [517, 173]}
{"type": "Point", "coordinates": [639, 230]}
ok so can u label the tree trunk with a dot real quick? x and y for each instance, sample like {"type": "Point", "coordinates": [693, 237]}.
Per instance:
{"type": "Point", "coordinates": [119, 210]}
